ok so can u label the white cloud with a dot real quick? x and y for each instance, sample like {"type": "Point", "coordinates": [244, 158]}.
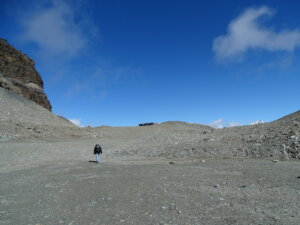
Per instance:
{"type": "Point", "coordinates": [54, 28]}
{"type": "Point", "coordinates": [247, 32]}
{"type": "Point", "coordinates": [217, 123]}
{"type": "Point", "coordinates": [257, 122]}
{"type": "Point", "coordinates": [233, 124]}
{"type": "Point", "coordinates": [76, 122]}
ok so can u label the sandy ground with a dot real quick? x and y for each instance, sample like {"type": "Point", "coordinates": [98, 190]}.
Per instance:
{"type": "Point", "coordinates": [52, 182]}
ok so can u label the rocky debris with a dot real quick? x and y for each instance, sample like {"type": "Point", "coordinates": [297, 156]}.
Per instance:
{"type": "Point", "coordinates": [18, 74]}
{"type": "Point", "coordinates": [179, 140]}
{"type": "Point", "coordinates": [278, 139]}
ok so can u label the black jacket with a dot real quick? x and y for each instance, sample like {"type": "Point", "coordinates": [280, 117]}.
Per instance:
{"type": "Point", "coordinates": [97, 149]}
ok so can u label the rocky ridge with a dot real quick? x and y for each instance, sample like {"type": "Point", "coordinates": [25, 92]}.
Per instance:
{"type": "Point", "coordinates": [277, 139]}
{"type": "Point", "coordinates": [18, 74]}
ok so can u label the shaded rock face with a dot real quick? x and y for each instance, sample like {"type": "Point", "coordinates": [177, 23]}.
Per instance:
{"type": "Point", "coordinates": [17, 74]}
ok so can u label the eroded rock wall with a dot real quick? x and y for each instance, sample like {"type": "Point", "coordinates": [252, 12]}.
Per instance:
{"type": "Point", "coordinates": [18, 74]}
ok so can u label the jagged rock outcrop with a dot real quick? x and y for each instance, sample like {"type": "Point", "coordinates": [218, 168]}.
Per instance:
{"type": "Point", "coordinates": [18, 74]}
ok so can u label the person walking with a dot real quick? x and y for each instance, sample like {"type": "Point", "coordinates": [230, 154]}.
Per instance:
{"type": "Point", "coordinates": [97, 152]}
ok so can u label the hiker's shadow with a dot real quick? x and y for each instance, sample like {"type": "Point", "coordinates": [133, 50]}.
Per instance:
{"type": "Point", "coordinates": [92, 161]}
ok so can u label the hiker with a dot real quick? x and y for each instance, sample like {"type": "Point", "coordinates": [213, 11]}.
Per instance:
{"type": "Point", "coordinates": [97, 152]}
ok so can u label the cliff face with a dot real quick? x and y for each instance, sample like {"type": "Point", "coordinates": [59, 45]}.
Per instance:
{"type": "Point", "coordinates": [17, 74]}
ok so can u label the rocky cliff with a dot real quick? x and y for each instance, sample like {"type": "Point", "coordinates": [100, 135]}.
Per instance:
{"type": "Point", "coordinates": [17, 74]}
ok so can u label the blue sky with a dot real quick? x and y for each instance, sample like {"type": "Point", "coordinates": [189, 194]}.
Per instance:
{"type": "Point", "coordinates": [121, 63]}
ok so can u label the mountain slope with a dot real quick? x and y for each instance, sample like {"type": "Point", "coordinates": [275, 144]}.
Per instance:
{"type": "Point", "coordinates": [22, 118]}
{"type": "Point", "coordinates": [15, 108]}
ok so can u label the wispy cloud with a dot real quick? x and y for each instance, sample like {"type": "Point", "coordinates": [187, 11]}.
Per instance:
{"type": "Point", "coordinates": [77, 122]}
{"type": "Point", "coordinates": [219, 123]}
{"type": "Point", "coordinates": [233, 124]}
{"type": "Point", "coordinates": [247, 32]}
{"type": "Point", "coordinates": [101, 81]}
{"type": "Point", "coordinates": [54, 29]}
{"type": "Point", "coordinates": [77, 88]}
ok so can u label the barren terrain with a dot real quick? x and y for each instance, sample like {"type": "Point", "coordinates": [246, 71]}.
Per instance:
{"type": "Point", "coordinates": [169, 173]}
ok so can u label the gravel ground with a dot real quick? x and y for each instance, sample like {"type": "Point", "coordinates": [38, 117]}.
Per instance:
{"type": "Point", "coordinates": [53, 182]}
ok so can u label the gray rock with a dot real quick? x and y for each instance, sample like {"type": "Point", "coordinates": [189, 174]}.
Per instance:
{"type": "Point", "coordinates": [18, 74]}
